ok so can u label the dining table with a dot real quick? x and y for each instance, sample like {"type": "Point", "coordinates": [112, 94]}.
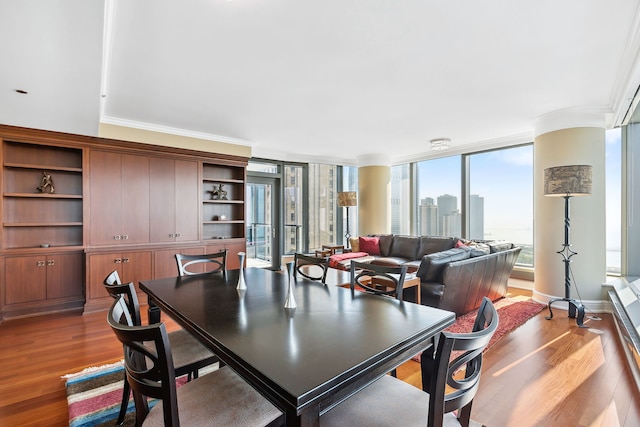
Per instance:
{"type": "Point", "coordinates": [307, 358]}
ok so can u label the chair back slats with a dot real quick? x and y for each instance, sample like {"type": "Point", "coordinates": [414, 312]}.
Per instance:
{"type": "Point", "coordinates": [116, 289]}
{"type": "Point", "coordinates": [448, 389]}
{"type": "Point", "coordinates": [311, 267]}
{"type": "Point", "coordinates": [366, 276]}
{"type": "Point", "coordinates": [149, 368]}
{"type": "Point", "coordinates": [214, 263]}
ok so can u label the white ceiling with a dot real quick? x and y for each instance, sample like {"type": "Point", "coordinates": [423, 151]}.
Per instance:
{"type": "Point", "coordinates": [317, 80]}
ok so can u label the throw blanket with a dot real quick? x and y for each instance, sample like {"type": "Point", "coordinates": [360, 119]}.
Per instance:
{"type": "Point", "coordinates": [334, 260]}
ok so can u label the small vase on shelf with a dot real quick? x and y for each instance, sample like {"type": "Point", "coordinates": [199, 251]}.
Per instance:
{"type": "Point", "coordinates": [290, 302]}
{"type": "Point", "coordinates": [242, 285]}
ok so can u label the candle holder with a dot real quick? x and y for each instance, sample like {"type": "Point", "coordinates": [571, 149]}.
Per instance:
{"type": "Point", "coordinates": [242, 285]}
{"type": "Point", "coordinates": [290, 302]}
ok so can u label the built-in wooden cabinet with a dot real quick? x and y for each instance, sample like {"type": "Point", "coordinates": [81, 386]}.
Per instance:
{"type": "Point", "coordinates": [40, 282]}
{"type": "Point", "coordinates": [173, 200]}
{"type": "Point", "coordinates": [30, 217]}
{"type": "Point", "coordinates": [120, 193]}
{"type": "Point", "coordinates": [114, 205]}
{"type": "Point", "coordinates": [132, 266]}
{"type": "Point", "coordinates": [223, 197]}
{"type": "Point", "coordinates": [233, 247]}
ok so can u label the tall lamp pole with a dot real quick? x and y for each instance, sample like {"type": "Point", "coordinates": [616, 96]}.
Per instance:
{"type": "Point", "coordinates": [566, 182]}
{"type": "Point", "coordinates": [345, 200]}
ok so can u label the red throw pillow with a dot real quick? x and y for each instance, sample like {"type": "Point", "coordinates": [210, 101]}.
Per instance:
{"type": "Point", "coordinates": [370, 245]}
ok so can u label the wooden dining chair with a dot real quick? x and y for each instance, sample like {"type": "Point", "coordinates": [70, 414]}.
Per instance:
{"type": "Point", "coordinates": [220, 398]}
{"type": "Point", "coordinates": [189, 355]}
{"type": "Point", "coordinates": [378, 279]}
{"type": "Point", "coordinates": [188, 263]}
{"type": "Point", "coordinates": [449, 384]}
{"type": "Point", "coordinates": [311, 267]}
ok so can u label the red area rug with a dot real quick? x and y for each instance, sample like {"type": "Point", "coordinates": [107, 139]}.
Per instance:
{"type": "Point", "coordinates": [512, 312]}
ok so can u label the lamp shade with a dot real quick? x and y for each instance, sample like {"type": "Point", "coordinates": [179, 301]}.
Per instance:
{"type": "Point", "coordinates": [347, 198]}
{"type": "Point", "coordinates": [572, 180]}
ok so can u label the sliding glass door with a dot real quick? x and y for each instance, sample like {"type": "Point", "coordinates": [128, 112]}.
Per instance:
{"type": "Point", "coordinates": [262, 207]}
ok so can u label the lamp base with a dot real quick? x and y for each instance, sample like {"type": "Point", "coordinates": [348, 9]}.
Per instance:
{"type": "Point", "coordinates": [576, 310]}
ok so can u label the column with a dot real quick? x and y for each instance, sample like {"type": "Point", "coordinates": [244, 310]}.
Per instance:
{"type": "Point", "coordinates": [580, 142]}
{"type": "Point", "coordinates": [374, 195]}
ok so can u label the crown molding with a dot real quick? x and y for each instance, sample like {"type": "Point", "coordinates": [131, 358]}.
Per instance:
{"type": "Point", "coordinates": [627, 80]}
{"type": "Point", "coordinates": [581, 117]}
{"type": "Point", "coordinates": [174, 131]}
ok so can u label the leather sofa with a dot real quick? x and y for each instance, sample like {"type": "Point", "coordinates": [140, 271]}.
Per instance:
{"type": "Point", "coordinates": [455, 274]}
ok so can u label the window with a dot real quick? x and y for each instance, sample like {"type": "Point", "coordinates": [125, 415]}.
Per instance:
{"type": "Point", "coordinates": [438, 189]}
{"type": "Point", "coordinates": [613, 184]}
{"type": "Point", "coordinates": [401, 199]}
{"type": "Point", "coordinates": [501, 198]}
{"type": "Point", "coordinates": [349, 183]}
{"type": "Point", "coordinates": [294, 208]}
{"type": "Point", "coordinates": [322, 204]}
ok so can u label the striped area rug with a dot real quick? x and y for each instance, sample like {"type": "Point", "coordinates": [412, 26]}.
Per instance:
{"type": "Point", "coordinates": [94, 395]}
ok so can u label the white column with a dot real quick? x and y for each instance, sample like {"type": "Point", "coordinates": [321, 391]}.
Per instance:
{"type": "Point", "coordinates": [580, 142]}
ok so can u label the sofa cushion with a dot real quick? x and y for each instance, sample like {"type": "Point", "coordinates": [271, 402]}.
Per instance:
{"type": "Point", "coordinates": [433, 265]}
{"type": "Point", "coordinates": [405, 247]}
{"type": "Point", "coordinates": [476, 249]}
{"type": "Point", "coordinates": [499, 246]}
{"type": "Point", "coordinates": [430, 245]}
{"type": "Point", "coordinates": [386, 240]}
{"type": "Point", "coordinates": [355, 244]}
{"type": "Point", "coordinates": [370, 245]}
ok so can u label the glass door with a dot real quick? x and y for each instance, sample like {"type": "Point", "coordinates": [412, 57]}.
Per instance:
{"type": "Point", "coordinates": [262, 220]}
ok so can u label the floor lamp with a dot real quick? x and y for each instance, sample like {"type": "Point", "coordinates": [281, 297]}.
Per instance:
{"type": "Point", "coordinates": [346, 199]}
{"type": "Point", "coordinates": [567, 182]}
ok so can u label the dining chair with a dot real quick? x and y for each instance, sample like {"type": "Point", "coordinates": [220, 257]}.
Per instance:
{"type": "Point", "coordinates": [220, 398]}
{"type": "Point", "coordinates": [449, 383]}
{"type": "Point", "coordinates": [311, 267]}
{"type": "Point", "coordinates": [378, 279]}
{"type": "Point", "coordinates": [189, 355]}
{"type": "Point", "coordinates": [186, 263]}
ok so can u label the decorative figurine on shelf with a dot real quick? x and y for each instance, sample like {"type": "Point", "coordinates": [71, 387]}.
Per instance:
{"type": "Point", "coordinates": [218, 193]}
{"type": "Point", "coordinates": [46, 182]}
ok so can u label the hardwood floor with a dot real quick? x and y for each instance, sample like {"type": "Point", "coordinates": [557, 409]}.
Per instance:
{"type": "Point", "coordinates": [545, 373]}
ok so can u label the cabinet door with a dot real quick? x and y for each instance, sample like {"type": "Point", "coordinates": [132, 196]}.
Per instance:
{"type": "Point", "coordinates": [64, 275]}
{"type": "Point", "coordinates": [162, 200]}
{"type": "Point", "coordinates": [25, 279]}
{"type": "Point", "coordinates": [100, 266]}
{"type": "Point", "coordinates": [135, 199]}
{"type": "Point", "coordinates": [164, 261]}
{"type": "Point", "coordinates": [232, 254]}
{"type": "Point", "coordinates": [131, 267]}
{"type": "Point", "coordinates": [174, 200]}
{"type": "Point", "coordinates": [106, 199]}
{"type": "Point", "coordinates": [187, 208]}
{"type": "Point", "coordinates": [136, 266]}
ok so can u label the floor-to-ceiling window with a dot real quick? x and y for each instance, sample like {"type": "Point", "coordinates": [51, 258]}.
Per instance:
{"type": "Point", "coordinates": [613, 188]}
{"type": "Point", "coordinates": [323, 190]}
{"type": "Point", "coordinates": [401, 199]}
{"type": "Point", "coordinates": [438, 187]}
{"type": "Point", "coordinates": [349, 183]}
{"type": "Point", "coordinates": [501, 198]}
{"type": "Point", "coordinates": [293, 211]}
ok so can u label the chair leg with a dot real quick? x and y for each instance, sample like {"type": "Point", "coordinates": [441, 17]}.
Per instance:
{"type": "Point", "coordinates": [464, 415]}
{"type": "Point", "coordinates": [125, 401]}
{"type": "Point", "coordinates": [393, 373]}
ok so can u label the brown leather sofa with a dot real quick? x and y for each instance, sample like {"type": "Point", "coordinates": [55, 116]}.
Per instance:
{"type": "Point", "coordinates": [454, 274]}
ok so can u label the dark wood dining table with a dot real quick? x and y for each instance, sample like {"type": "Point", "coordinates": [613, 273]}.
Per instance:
{"type": "Point", "coordinates": [304, 360]}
